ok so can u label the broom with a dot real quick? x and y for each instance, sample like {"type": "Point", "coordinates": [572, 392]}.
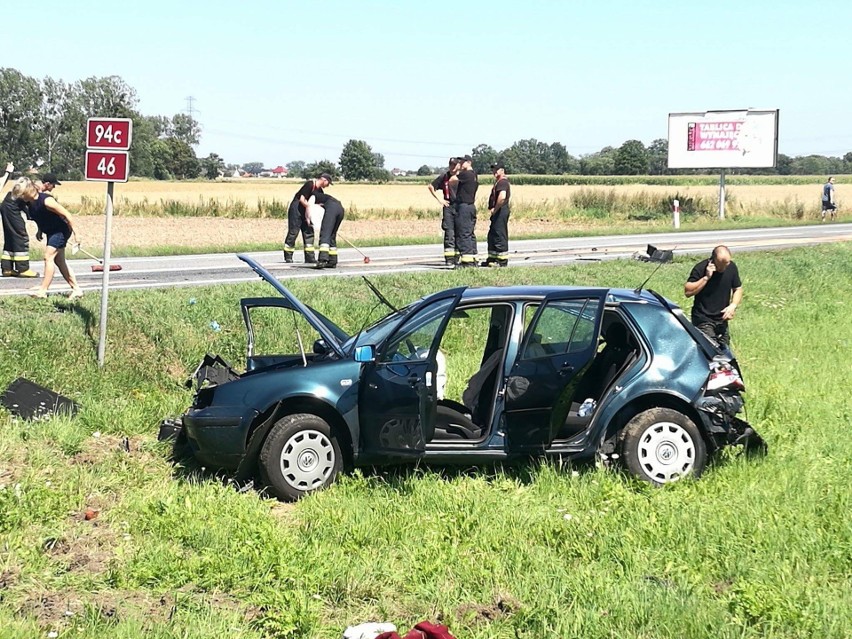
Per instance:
{"type": "Point", "coordinates": [99, 267]}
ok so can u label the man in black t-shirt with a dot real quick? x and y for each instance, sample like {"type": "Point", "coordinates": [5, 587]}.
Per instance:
{"type": "Point", "coordinates": [465, 217]}
{"type": "Point", "coordinates": [715, 284]}
{"type": "Point", "coordinates": [297, 219]}
{"type": "Point", "coordinates": [447, 187]}
{"type": "Point", "coordinates": [498, 207]}
{"type": "Point", "coordinates": [328, 231]}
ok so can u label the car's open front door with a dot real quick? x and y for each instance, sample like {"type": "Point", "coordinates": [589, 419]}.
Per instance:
{"type": "Point", "coordinates": [398, 393]}
{"type": "Point", "coordinates": [559, 345]}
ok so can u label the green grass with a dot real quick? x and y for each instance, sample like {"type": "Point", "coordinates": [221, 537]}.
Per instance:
{"type": "Point", "coordinates": [756, 548]}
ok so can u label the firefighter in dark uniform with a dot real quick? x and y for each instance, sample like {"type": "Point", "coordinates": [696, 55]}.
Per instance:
{"type": "Point", "coordinates": [447, 186]}
{"type": "Point", "coordinates": [16, 241]}
{"type": "Point", "coordinates": [328, 231]}
{"type": "Point", "coordinates": [297, 220]}
{"type": "Point", "coordinates": [465, 217]}
{"type": "Point", "coordinates": [498, 207]}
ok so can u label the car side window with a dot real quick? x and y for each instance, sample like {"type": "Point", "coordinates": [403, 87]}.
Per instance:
{"type": "Point", "coordinates": [563, 326]}
{"type": "Point", "coordinates": [415, 339]}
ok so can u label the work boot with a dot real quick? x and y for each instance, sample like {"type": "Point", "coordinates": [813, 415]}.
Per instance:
{"type": "Point", "coordinates": [28, 273]}
{"type": "Point", "coordinates": [321, 264]}
{"type": "Point", "coordinates": [8, 273]}
{"type": "Point", "coordinates": [310, 258]}
{"type": "Point", "coordinates": [288, 257]}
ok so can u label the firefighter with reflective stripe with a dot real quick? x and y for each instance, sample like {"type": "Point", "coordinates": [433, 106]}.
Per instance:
{"type": "Point", "coordinates": [331, 220]}
{"type": "Point", "coordinates": [297, 218]}
{"type": "Point", "coordinates": [15, 260]}
{"type": "Point", "coordinates": [465, 217]}
{"type": "Point", "coordinates": [447, 186]}
{"type": "Point", "coordinates": [498, 207]}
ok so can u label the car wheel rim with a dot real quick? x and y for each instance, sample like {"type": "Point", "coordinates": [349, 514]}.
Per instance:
{"type": "Point", "coordinates": [666, 452]}
{"type": "Point", "coordinates": [307, 460]}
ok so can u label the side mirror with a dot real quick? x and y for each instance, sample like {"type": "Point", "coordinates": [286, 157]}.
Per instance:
{"type": "Point", "coordinates": [320, 347]}
{"type": "Point", "coordinates": [365, 354]}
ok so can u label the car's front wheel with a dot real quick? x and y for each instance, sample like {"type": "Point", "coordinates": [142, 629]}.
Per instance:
{"type": "Point", "coordinates": [662, 445]}
{"type": "Point", "coordinates": [300, 455]}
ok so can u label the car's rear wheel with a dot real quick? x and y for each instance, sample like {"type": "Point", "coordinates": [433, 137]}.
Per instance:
{"type": "Point", "coordinates": [662, 445]}
{"type": "Point", "coordinates": [300, 455]}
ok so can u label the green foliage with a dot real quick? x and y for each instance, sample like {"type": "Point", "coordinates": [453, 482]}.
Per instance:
{"type": "Point", "coordinates": [315, 169]}
{"type": "Point", "coordinates": [20, 103]}
{"type": "Point", "coordinates": [357, 160]}
{"type": "Point", "coordinates": [212, 166]}
{"type": "Point", "coordinates": [424, 170]}
{"type": "Point", "coordinates": [631, 159]}
{"type": "Point", "coordinates": [757, 548]}
{"type": "Point", "coordinates": [295, 168]}
{"type": "Point", "coordinates": [253, 167]}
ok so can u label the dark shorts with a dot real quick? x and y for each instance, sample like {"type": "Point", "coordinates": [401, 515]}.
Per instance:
{"type": "Point", "coordinates": [58, 240]}
{"type": "Point", "coordinates": [828, 206]}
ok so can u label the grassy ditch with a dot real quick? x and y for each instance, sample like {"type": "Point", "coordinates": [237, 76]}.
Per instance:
{"type": "Point", "coordinates": [757, 548]}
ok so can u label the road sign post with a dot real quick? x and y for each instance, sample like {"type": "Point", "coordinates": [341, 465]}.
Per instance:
{"type": "Point", "coordinates": [107, 160]}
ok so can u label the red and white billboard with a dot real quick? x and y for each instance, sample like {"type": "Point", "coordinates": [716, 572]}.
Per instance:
{"type": "Point", "coordinates": [112, 134]}
{"type": "Point", "coordinates": [107, 166]}
{"type": "Point", "coordinates": [723, 139]}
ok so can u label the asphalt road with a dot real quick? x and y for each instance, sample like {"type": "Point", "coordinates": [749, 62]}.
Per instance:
{"type": "Point", "coordinates": [219, 268]}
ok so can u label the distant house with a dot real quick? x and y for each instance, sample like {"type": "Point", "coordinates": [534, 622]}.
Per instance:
{"type": "Point", "coordinates": [398, 172]}
{"type": "Point", "coordinates": [279, 172]}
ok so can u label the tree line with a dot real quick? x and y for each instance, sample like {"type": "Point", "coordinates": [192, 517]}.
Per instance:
{"type": "Point", "coordinates": [42, 124]}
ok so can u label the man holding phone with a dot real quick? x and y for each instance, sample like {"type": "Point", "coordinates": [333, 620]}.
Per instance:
{"type": "Point", "coordinates": [715, 284]}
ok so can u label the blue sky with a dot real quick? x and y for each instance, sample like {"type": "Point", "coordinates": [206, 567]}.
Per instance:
{"type": "Point", "coordinates": [281, 81]}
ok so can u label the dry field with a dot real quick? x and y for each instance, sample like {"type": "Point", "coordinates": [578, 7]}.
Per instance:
{"type": "Point", "coordinates": [399, 196]}
{"type": "Point", "coordinates": [139, 233]}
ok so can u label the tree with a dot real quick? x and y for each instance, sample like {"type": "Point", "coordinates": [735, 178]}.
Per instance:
{"type": "Point", "coordinates": [483, 157]}
{"type": "Point", "coordinates": [186, 129]}
{"type": "Point", "coordinates": [600, 163]}
{"type": "Point", "coordinates": [184, 164]}
{"type": "Point", "coordinates": [561, 161]}
{"type": "Point", "coordinates": [378, 160]}
{"type": "Point", "coordinates": [20, 103]}
{"type": "Point", "coordinates": [784, 165]}
{"type": "Point", "coordinates": [315, 169]}
{"type": "Point", "coordinates": [55, 130]}
{"type": "Point", "coordinates": [424, 170]}
{"type": "Point", "coordinates": [631, 159]}
{"type": "Point", "coordinates": [213, 166]}
{"type": "Point", "coordinates": [378, 174]}
{"type": "Point", "coordinates": [658, 157]}
{"type": "Point", "coordinates": [528, 156]}
{"type": "Point", "coordinates": [357, 160]}
{"type": "Point", "coordinates": [253, 167]}
{"type": "Point", "coordinates": [295, 168]}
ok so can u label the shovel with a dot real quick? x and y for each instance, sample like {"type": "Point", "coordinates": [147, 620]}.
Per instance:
{"type": "Point", "coordinates": [77, 248]}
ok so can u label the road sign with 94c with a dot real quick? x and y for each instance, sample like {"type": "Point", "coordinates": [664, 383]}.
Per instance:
{"type": "Point", "coordinates": [109, 133]}
{"type": "Point", "coordinates": [107, 166]}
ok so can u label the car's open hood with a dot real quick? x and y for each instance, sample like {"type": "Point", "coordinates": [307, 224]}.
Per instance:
{"type": "Point", "coordinates": [331, 339]}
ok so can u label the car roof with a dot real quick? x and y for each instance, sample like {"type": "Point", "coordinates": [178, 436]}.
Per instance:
{"type": "Point", "coordinates": [614, 295]}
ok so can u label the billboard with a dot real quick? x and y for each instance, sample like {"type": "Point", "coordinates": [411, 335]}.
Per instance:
{"type": "Point", "coordinates": [723, 139]}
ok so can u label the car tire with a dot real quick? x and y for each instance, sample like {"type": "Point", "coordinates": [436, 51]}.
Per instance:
{"type": "Point", "coordinates": [300, 455]}
{"type": "Point", "coordinates": [662, 445]}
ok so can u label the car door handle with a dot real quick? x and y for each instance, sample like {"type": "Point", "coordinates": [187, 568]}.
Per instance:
{"type": "Point", "coordinates": [413, 380]}
{"type": "Point", "coordinates": [566, 369]}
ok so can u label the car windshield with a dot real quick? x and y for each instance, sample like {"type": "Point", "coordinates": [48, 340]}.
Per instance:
{"type": "Point", "coordinates": [377, 332]}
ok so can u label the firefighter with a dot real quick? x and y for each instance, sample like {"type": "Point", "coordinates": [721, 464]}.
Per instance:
{"type": "Point", "coordinates": [498, 207]}
{"type": "Point", "coordinates": [297, 218]}
{"type": "Point", "coordinates": [447, 186]}
{"type": "Point", "coordinates": [16, 241]}
{"type": "Point", "coordinates": [465, 217]}
{"type": "Point", "coordinates": [331, 220]}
